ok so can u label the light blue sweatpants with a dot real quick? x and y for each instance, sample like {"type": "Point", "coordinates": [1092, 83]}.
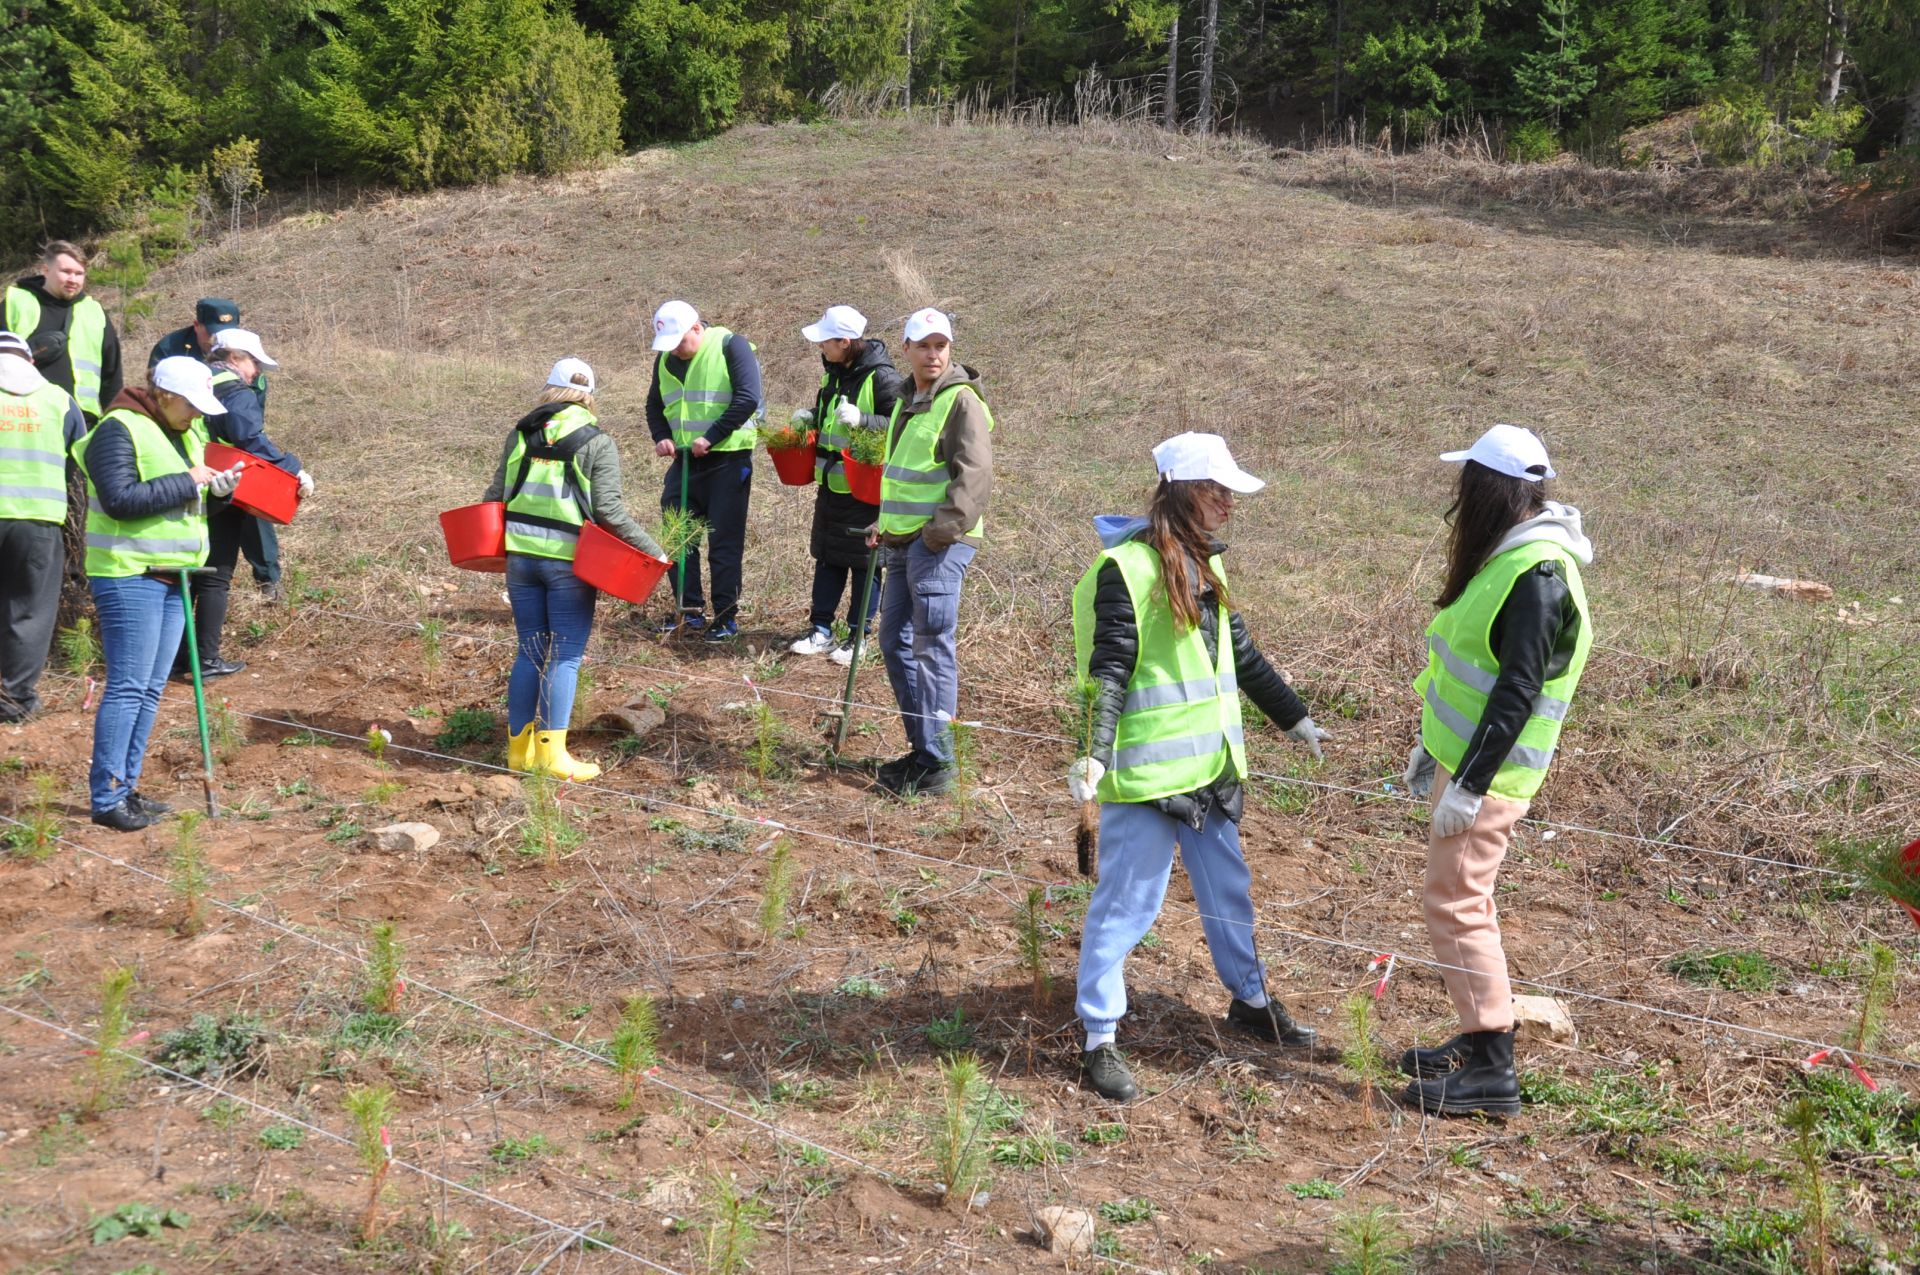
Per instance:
{"type": "Point", "coordinates": [1136, 861]}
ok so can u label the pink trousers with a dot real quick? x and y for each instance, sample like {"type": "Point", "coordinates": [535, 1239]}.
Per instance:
{"type": "Point", "coordinates": [1461, 919]}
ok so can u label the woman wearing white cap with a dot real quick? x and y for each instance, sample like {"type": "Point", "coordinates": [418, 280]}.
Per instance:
{"type": "Point", "coordinates": [857, 391]}
{"type": "Point", "coordinates": [238, 361]}
{"type": "Point", "coordinates": [1503, 657]}
{"type": "Point", "coordinates": [557, 472]}
{"type": "Point", "coordinates": [1166, 661]}
{"type": "Point", "coordinates": [146, 522]}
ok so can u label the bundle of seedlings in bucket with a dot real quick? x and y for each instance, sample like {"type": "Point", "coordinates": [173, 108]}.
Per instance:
{"type": "Point", "coordinates": [868, 446]}
{"type": "Point", "coordinates": [792, 436]}
{"type": "Point", "coordinates": [1361, 1055]}
{"type": "Point", "coordinates": [190, 875]}
{"type": "Point", "coordinates": [108, 1065]}
{"type": "Point", "coordinates": [678, 531]}
{"type": "Point", "coordinates": [1032, 930]}
{"type": "Point", "coordinates": [636, 1047]}
{"type": "Point", "coordinates": [370, 1108]}
{"type": "Point", "coordinates": [777, 893]}
{"type": "Point", "coordinates": [381, 994]}
{"type": "Point", "coordinates": [33, 837]}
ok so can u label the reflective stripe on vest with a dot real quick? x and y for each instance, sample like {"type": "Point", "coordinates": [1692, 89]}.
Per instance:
{"type": "Point", "coordinates": [693, 402]}
{"type": "Point", "coordinates": [556, 491]}
{"type": "Point", "coordinates": [86, 340]}
{"type": "Point", "coordinates": [1462, 670]}
{"type": "Point", "coordinates": [914, 484]}
{"type": "Point", "coordinates": [170, 540]}
{"type": "Point", "coordinates": [1180, 726]}
{"type": "Point", "coordinates": [833, 435]}
{"type": "Point", "coordinates": [33, 458]}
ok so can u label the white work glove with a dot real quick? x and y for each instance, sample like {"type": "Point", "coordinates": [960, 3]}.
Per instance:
{"type": "Point", "coordinates": [1083, 778]}
{"type": "Point", "coordinates": [1305, 732]}
{"type": "Point", "coordinates": [803, 418]}
{"type": "Point", "coordinates": [306, 483]}
{"type": "Point", "coordinates": [848, 414]}
{"type": "Point", "coordinates": [1455, 812]}
{"type": "Point", "coordinates": [225, 480]}
{"type": "Point", "coordinates": [1419, 774]}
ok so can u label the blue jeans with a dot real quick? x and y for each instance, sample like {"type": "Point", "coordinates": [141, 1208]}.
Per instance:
{"type": "Point", "coordinates": [1136, 861]}
{"type": "Point", "coordinates": [553, 614]}
{"type": "Point", "coordinates": [918, 619]}
{"type": "Point", "coordinates": [140, 625]}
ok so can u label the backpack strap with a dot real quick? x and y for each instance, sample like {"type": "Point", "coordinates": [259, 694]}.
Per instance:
{"type": "Point", "coordinates": [564, 451]}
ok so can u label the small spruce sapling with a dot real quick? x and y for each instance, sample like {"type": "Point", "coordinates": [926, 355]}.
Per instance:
{"type": "Point", "coordinates": [636, 1047]}
{"type": "Point", "coordinates": [1361, 1055]}
{"type": "Point", "coordinates": [1369, 1243]}
{"type": "Point", "coordinates": [764, 752]}
{"type": "Point", "coordinates": [777, 892]}
{"type": "Point", "coordinates": [371, 1109]}
{"type": "Point", "coordinates": [226, 731]}
{"type": "Point", "coordinates": [190, 876]}
{"type": "Point", "coordinates": [959, 1153]}
{"type": "Point", "coordinates": [384, 983]}
{"type": "Point", "coordinates": [1816, 1197]}
{"type": "Point", "coordinates": [433, 631]}
{"type": "Point", "coordinates": [80, 648]}
{"type": "Point", "coordinates": [733, 1226]}
{"type": "Point", "coordinates": [1882, 963]}
{"type": "Point", "coordinates": [546, 832]}
{"type": "Point", "coordinates": [1032, 926]}
{"type": "Point", "coordinates": [966, 763]}
{"type": "Point", "coordinates": [108, 1065]}
{"type": "Point", "coordinates": [34, 836]}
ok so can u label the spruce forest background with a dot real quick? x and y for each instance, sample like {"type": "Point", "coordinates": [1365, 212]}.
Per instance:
{"type": "Point", "coordinates": [141, 113]}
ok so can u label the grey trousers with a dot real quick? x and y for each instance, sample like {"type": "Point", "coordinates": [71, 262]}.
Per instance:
{"type": "Point", "coordinates": [31, 559]}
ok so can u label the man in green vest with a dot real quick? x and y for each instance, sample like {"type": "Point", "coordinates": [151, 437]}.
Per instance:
{"type": "Point", "coordinates": [39, 421]}
{"type": "Point", "coordinates": [73, 341]}
{"type": "Point", "coordinates": [933, 503]}
{"type": "Point", "coordinates": [703, 412]}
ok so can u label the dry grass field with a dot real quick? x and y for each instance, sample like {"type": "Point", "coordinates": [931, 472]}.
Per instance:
{"type": "Point", "coordinates": [1719, 397]}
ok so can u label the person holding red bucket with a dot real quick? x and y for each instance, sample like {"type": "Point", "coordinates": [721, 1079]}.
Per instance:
{"type": "Point", "coordinates": [857, 391]}
{"type": "Point", "coordinates": [238, 361]}
{"type": "Point", "coordinates": [557, 472]}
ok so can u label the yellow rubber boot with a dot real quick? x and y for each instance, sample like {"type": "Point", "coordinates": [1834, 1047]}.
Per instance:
{"type": "Point", "coordinates": [550, 755]}
{"type": "Point", "coordinates": [520, 749]}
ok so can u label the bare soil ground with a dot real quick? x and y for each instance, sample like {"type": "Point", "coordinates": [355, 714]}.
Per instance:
{"type": "Point", "coordinates": [1712, 411]}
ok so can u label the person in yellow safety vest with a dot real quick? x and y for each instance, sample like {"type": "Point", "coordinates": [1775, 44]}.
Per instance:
{"type": "Point", "coordinates": [1164, 660]}
{"type": "Point", "coordinates": [1503, 657]}
{"type": "Point", "coordinates": [73, 341]}
{"type": "Point", "coordinates": [704, 412]}
{"type": "Point", "coordinates": [147, 483]}
{"type": "Point", "coordinates": [39, 421]}
{"type": "Point", "coordinates": [858, 389]}
{"type": "Point", "coordinates": [557, 472]}
{"type": "Point", "coordinates": [933, 503]}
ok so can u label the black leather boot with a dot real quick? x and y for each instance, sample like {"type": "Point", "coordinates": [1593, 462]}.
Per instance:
{"type": "Point", "coordinates": [1438, 1061]}
{"type": "Point", "coordinates": [1485, 1083]}
{"type": "Point", "coordinates": [1271, 1022]}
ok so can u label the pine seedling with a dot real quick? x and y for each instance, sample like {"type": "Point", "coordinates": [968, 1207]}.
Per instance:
{"type": "Point", "coordinates": [959, 1154]}
{"type": "Point", "coordinates": [1882, 963]}
{"type": "Point", "coordinates": [384, 983]}
{"type": "Point", "coordinates": [583, 685]}
{"type": "Point", "coordinates": [377, 741]}
{"type": "Point", "coordinates": [1032, 927]}
{"type": "Point", "coordinates": [370, 1107]}
{"type": "Point", "coordinates": [636, 1047]}
{"type": "Point", "coordinates": [764, 752]}
{"type": "Point", "coordinates": [1816, 1198]}
{"type": "Point", "coordinates": [1369, 1243]}
{"type": "Point", "coordinates": [1361, 1055]}
{"type": "Point", "coordinates": [34, 837]}
{"type": "Point", "coordinates": [777, 892]}
{"type": "Point", "coordinates": [966, 763]}
{"type": "Point", "coordinates": [225, 731]}
{"type": "Point", "coordinates": [546, 833]}
{"type": "Point", "coordinates": [433, 631]}
{"type": "Point", "coordinates": [80, 648]}
{"type": "Point", "coordinates": [733, 1226]}
{"type": "Point", "coordinates": [679, 531]}
{"type": "Point", "coordinates": [190, 876]}
{"type": "Point", "coordinates": [108, 1065]}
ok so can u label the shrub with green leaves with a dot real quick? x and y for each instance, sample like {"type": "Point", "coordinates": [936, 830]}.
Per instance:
{"type": "Point", "coordinates": [464, 728]}
{"type": "Point", "coordinates": [142, 1221]}
{"type": "Point", "coordinates": [216, 1047]}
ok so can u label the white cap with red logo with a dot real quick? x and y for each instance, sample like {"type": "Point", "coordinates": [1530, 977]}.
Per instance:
{"type": "Point", "coordinates": [922, 324]}
{"type": "Point", "coordinates": [671, 322]}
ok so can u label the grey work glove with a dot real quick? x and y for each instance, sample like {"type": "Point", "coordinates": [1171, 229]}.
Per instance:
{"type": "Point", "coordinates": [1306, 732]}
{"type": "Point", "coordinates": [803, 418]}
{"type": "Point", "coordinates": [1455, 812]}
{"type": "Point", "coordinates": [1420, 769]}
{"type": "Point", "coordinates": [225, 480]}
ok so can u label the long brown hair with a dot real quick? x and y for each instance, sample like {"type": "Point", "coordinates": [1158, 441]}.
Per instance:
{"type": "Point", "coordinates": [1486, 507]}
{"type": "Point", "coordinates": [1177, 534]}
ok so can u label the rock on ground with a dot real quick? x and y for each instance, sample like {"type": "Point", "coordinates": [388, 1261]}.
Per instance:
{"type": "Point", "coordinates": [1542, 1017]}
{"type": "Point", "coordinates": [404, 837]}
{"type": "Point", "coordinates": [1065, 1231]}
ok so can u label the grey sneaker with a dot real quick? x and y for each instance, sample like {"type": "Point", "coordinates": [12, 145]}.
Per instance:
{"type": "Point", "coordinates": [1107, 1074]}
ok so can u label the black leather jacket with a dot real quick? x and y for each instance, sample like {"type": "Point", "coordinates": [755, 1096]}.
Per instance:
{"type": "Point", "coordinates": [1534, 637]}
{"type": "Point", "coordinates": [1116, 647]}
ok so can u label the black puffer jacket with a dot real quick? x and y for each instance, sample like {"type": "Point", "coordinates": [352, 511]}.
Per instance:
{"type": "Point", "coordinates": [840, 521]}
{"type": "Point", "coordinates": [115, 471]}
{"type": "Point", "coordinates": [1116, 649]}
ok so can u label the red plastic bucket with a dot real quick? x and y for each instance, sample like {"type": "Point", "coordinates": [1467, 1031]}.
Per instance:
{"type": "Point", "coordinates": [477, 536]}
{"type": "Point", "coordinates": [611, 565]}
{"type": "Point", "coordinates": [265, 489]}
{"type": "Point", "coordinates": [1911, 858]}
{"type": "Point", "coordinates": [862, 480]}
{"type": "Point", "coordinates": [794, 464]}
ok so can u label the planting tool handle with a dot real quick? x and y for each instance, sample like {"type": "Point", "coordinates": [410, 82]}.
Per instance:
{"type": "Point", "coordinates": [859, 646]}
{"type": "Point", "coordinates": [199, 688]}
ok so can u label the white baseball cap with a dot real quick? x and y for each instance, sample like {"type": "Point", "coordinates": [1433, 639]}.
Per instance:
{"type": "Point", "coordinates": [922, 324]}
{"type": "Point", "coordinates": [840, 322]}
{"type": "Point", "coordinates": [1190, 458]}
{"type": "Point", "coordinates": [573, 374]}
{"type": "Point", "coordinates": [190, 379]}
{"type": "Point", "coordinates": [1510, 450]}
{"type": "Point", "coordinates": [671, 322]}
{"type": "Point", "coordinates": [244, 341]}
{"type": "Point", "coordinates": [14, 343]}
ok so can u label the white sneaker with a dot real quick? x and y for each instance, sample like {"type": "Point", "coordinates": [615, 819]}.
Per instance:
{"type": "Point", "coordinates": [818, 642]}
{"type": "Point", "coordinates": [843, 655]}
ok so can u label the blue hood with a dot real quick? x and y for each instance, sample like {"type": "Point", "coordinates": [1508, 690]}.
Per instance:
{"type": "Point", "coordinates": [1117, 529]}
